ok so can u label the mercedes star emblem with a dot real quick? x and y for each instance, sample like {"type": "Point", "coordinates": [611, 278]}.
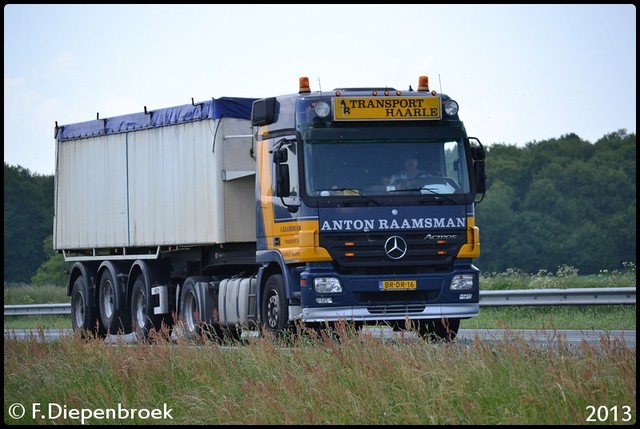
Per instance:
{"type": "Point", "coordinates": [395, 247]}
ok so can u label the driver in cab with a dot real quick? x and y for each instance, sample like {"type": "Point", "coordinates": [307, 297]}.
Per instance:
{"type": "Point", "coordinates": [410, 172]}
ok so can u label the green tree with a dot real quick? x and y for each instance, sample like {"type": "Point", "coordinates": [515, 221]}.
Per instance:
{"type": "Point", "coordinates": [54, 271]}
{"type": "Point", "coordinates": [560, 201]}
{"type": "Point", "coordinates": [496, 218]}
{"type": "Point", "coordinates": [28, 220]}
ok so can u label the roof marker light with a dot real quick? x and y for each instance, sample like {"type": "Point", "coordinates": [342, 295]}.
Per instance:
{"type": "Point", "coordinates": [304, 85]}
{"type": "Point", "coordinates": [423, 83]}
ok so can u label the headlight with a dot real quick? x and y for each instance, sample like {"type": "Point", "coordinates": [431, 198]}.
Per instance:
{"type": "Point", "coordinates": [322, 109]}
{"type": "Point", "coordinates": [450, 107]}
{"type": "Point", "coordinates": [462, 282]}
{"type": "Point", "coordinates": [327, 285]}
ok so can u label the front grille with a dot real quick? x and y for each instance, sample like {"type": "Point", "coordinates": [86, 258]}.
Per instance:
{"type": "Point", "coordinates": [368, 249]}
{"type": "Point", "coordinates": [396, 309]}
{"type": "Point", "coordinates": [397, 302]}
{"type": "Point", "coordinates": [398, 296]}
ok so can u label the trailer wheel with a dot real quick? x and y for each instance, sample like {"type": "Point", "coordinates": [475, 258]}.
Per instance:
{"type": "Point", "coordinates": [143, 321]}
{"type": "Point", "coordinates": [435, 330]}
{"type": "Point", "coordinates": [113, 316]}
{"type": "Point", "coordinates": [275, 313]}
{"type": "Point", "coordinates": [83, 314]}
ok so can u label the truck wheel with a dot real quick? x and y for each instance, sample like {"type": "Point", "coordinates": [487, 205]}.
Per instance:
{"type": "Point", "coordinates": [143, 321]}
{"type": "Point", "coordinates": [83, 314]}
{"type": "Point", "coordinates": [275, 313]}
{"type": "Point", "coordinates": [189, 310]}
{"type": "Point", "coordinates": [192, 321]}
{"type": "Point", "coordinates": [434, 330]}
{"type": "Point", "coordinates": [194, 324]}
{"type": "Point", "coordinates": [113, 316]}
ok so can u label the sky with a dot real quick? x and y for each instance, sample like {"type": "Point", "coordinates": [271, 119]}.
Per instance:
{"type": "Point", "coordinates": [521, 73]}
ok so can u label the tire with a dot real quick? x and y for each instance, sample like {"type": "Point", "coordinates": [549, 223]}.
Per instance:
{"type": "Point", "coordinates": [143, 321]}
{"type": "Point", "coordinates": [275, 312]}
{"type": "Point", "coordinates": [193, 322]}
{"type": "Point", "coordinates": [336, 331]}
{"type": "Point", "coordinates": [397, 325]}
{"type": "Point", "coordinates": [113, 316]}
{"type": "Point", "coordinates": [439, 330]}
{"type": "Point", "coordinates": [83, 315]}
{"type": "Point", "coordinates": [196, 326]}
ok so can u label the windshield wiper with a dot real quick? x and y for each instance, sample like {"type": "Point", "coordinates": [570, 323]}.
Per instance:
{"type": "Point", "coordinates": [356, 192]}
{"type": "Point", "coordinates": [421, 190]}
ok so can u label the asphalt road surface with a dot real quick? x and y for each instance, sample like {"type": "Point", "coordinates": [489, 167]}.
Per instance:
{"type": "Point", "coordinates": [465, 336]}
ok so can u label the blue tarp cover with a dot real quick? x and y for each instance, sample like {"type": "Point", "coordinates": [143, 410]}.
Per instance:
{"type": "Point", "coordinates": [225, 107]}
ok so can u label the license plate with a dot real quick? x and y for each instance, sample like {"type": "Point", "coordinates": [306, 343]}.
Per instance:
{"type": "Point", "coordinates": [397, 284]}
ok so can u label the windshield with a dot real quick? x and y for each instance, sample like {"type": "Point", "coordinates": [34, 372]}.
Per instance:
{"type": "Point", "coordinates": [385, 167]}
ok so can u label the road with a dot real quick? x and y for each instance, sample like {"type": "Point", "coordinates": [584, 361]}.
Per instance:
{"type": "Point", "coordinates": [571, 338]}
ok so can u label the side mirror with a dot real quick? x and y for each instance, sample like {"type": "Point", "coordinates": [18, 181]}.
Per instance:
{"type": "Point", "coordinates": [280, 156]}
{"type": "Point", "coordinates": [480, 177]}
{"type": "Point", "coordinates": [478, 155]}
{"type": "Point", "coordinates": [263, 111]}
{"type": "Point", "coordinates": [282, 180]}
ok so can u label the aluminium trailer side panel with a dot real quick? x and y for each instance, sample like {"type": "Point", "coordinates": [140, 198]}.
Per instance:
{"type": "Point", "coordinates": [155, 187]}
{"type": "Point", "coordinates": [236, 153]}
{"type": "Point", "coordinates": [172, 189]}
{"type": "Point", "coordinates": [91, 193]}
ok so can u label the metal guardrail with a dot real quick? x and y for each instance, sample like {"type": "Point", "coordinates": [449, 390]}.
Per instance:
{"type": "Point", "coordinates": [36, 309]}
{"type": "Point", "coordinates": [583, 296]}
{"type": "Point", "coordinates": [488, 298]}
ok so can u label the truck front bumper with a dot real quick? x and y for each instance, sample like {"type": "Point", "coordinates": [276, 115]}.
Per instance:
{"type": "Point", "coordinates": [365, 314]}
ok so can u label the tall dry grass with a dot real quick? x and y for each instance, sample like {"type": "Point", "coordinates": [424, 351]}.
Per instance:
{"type": "Point", "coordinates": [354, 380]}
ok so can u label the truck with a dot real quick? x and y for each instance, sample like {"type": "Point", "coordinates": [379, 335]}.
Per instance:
{"type": "Point", "coordinates": [265, 215]}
